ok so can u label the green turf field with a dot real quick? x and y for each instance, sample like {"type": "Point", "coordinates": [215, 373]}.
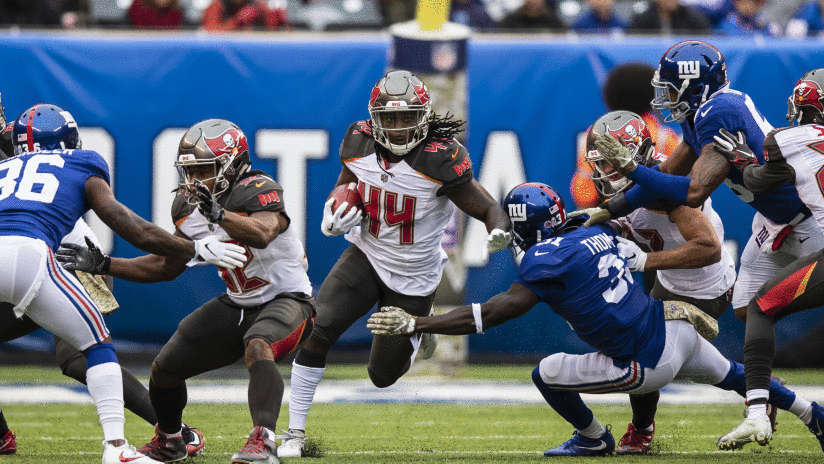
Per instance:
{"type": "Point", "coordinates": [380, 433]}
{"type": "Point", "coordinates": [413, 433]}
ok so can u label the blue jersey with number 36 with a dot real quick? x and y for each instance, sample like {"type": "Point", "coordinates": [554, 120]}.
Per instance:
{"type": "Point", "coordinates": [585, 280]}
{"type": "Point", "coordinates": [735, 111]}
{"type": "Point", "coordinates": [43, 193]}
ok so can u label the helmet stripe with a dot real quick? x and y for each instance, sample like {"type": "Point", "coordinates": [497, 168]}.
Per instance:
{"type": "Point", "coordinates": [30, 129]}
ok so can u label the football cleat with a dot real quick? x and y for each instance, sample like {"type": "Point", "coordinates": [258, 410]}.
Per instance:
{"type": "Point", "coordinates": [259, 449]}
{"type": "Point", "coordinates": [427, 347]}
{"type": "Point", "coordinates": [8, 444]}
{"type": "Point", "coordinates": [751, 430]}
{"type": "Point", "coordinates": [165, 449]}
{"type": "Point", "coordinates": [636, 441]}
{"type": "Point", "coordinates": [124, 453]}
{"type": "Point", "coordinates": [194, 440]}
{"type": "Point", "coordinates": [772, 412]}
{"type": "Point", "coordinates": [580, 445]}
{"type": "Point", "coordinates": [293, 444]}
{"type": "Point", "coordinates": [817, 424]}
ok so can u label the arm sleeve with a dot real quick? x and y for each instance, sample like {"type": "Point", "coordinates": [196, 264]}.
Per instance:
{"type": "Point", "coordinates": [669, 187]}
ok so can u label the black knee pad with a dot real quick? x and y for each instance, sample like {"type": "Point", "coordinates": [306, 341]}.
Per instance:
{"type": "Point", "coordinates": [380, 381]}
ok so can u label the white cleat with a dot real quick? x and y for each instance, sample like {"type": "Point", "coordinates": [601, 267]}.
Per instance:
{"type": "Point", "coordinates": [125, 453]}
{"type": "Point", "coordinates": [293, 444]}
{"type": "Point", "coordinates": [751, 430]}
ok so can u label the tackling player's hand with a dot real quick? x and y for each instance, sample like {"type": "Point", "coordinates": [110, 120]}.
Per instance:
{"type": "Point", "coordinates": [207, 204]}
{"type": "Point", "coordinates": [735, 149]}
{"type": "Point", "coordinates": [87, 258]}
{"type": "Point", "coordinates": [214, 251]}
{"type": "Point", "coordinates": [596, 215]}
{"type": "Point", "coordinates": [334, 223]}
{"type": "Point", "coordinates": [616, 153]}
{"type": "Point", "coordinates": [497, 240]}
{"type": "Point", "coordinates": [391, 320]}
{"type": "Point", "coordinates": [636, 257]}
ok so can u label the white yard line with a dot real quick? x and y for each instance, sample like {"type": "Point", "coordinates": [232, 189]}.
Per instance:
{"type": "Point", "coordinates": [412, 390]}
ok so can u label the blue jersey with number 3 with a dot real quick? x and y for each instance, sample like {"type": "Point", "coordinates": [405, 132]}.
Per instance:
{"type": "Point", "coordinates": [43, 193]}
{"type": "Point", "coordinates": [585, 280]}
{"type": "Point", "coordinates": [735, 111]}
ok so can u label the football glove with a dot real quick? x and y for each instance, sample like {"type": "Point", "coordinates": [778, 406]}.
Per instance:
{"type": "Point", "coordinates": [391, 320]}
{"type": "Point", "coordinates": [497, 240]}
{"type": "Point", "coordinates": [215, 251]}
{"type": "Point", "coordinates": [636, 257]}
{"type": "Point", "coordinates": [207, 204]}
{"type": "Point", "coordinates": [735, 149]}
{"type": "Point", "coordinates": [596, 215]}
{"type": "Point", "coordinates": [616, 153]}
{"type": "Point", "coordinates": [333, 224]}
{"type": "Point", "coordinates": [89, 258]}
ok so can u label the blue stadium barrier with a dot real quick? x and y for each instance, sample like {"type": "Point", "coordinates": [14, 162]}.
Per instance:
{"type": "Point", "coordinates": [133, 93]}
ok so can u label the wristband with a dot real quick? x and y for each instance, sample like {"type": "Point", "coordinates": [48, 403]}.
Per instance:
{"type": "Point", "coordinates": [107, 263]}
{"type": "Point", "coordinates": [476, 314]}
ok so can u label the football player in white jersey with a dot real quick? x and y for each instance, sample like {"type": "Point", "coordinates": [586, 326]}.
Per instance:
{"type": "Point", "coordinates": [793, 155]}
{"type": "Point", "coordinates": [684, 246]}
{"type": "Point", "coordinates": [267, 309]}
{"type": "Point", "coordinates": [411, 173]}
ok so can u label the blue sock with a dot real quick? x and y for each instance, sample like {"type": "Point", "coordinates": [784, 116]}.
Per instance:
{"type": "Point", "coordinates": [567, 404]}
{"type": "Point", "coordinates": [780, 396]}
{"type": "Point", "coordinates": [99, 354]}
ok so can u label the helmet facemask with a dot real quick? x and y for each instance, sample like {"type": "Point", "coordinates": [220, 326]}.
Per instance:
{"type": "Point", "coordinates": [668, 97]}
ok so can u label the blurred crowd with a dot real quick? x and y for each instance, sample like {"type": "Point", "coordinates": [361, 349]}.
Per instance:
{"type": "Point", "coordinates": [773, 18]}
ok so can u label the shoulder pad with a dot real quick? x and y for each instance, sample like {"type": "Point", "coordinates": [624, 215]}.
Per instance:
{"type": "Point", "coordinates": [357, 142]}
{"type": "Point", "coordinates": [255, 192]}
{"type": "Point", "coordinates": [445, 161]}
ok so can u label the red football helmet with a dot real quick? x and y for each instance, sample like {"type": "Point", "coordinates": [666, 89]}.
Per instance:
{"type": "Point", "coordinates": [628, 127]}
{"type": "Point", "coordinates": [400, 107]}
{"type": "Point", "coordinates": [807, 99]}
{"type": "Point", "coordinates": [218, 143]}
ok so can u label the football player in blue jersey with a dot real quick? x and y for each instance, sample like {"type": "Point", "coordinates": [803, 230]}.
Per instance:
{"type": "Point", "coordinates": [691, 88]}
{"type": "Point", "coordinates": [72, 361]}
{"type": "Point", "coordinates": [44, 190]}
{"type": "Point", "coordinates": [583, 274]}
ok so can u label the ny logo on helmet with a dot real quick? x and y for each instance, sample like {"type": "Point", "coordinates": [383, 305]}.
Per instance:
{"type": "Point", "coordinates": [517, 211]}
{"type": "Point", "coordinates": [688, 69]}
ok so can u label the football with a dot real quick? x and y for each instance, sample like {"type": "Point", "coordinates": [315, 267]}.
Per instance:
{"type": "Point", "coordinates": [346, 193]}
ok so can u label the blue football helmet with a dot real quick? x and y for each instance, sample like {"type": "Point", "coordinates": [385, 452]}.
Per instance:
{"type": "Point", "coordinates": [688, 74]}
{"type": "Point", "coordinates": [536, 210]}
{"type": "Point", "coordinates": [45, 127]}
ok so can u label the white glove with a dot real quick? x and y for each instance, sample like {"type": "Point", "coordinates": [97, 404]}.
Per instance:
{"type": "Point", "coordinates": [596, 215]}
{"type": "Point", "coordinates": [497, 240]}
{"type": "Point", "coordinates": [391, 320]}
{"type": "Point", "coordinates": [636, 257]}
{"type": "Point", "coordinates": [333, 224]}
{"type": "Point", "coordinates": [616, 153]}
{"type": "Point", "coordinates": [215, 251]}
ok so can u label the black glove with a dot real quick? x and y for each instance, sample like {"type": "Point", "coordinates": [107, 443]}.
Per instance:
{"type": "Point", "coordinates": [207, 204]}
{"type": "Point", "coordinates": [735, 149]}
{"type": "Point", "coordinates": [83, 258]}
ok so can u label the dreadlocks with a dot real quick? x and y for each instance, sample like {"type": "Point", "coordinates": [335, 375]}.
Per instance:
{"type": "Point", "coordinates": [444, 127]}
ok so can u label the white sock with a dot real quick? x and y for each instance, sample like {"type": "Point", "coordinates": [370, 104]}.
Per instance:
{"type": "Point", "coordinates": [305, 381]}
{"type": "Point", "coordinates": [758, 412]}
{"type": "Point", "coordinates": [803, 409]}
{"type": "Point", "coordinates": [594, 430]}
{"type": "Point", "coordinates": [105, 382]}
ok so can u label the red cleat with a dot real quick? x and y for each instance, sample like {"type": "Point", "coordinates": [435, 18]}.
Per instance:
{"type": "Point", "coordinates": [8, 445]}
{"type": "Point", "coordinates": [635, 441]}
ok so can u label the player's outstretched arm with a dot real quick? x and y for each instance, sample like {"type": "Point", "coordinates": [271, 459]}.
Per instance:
{"type": "Point", "coordinates": [473, 199]}
{"type": "Point", "coordinates": [515, 302]}
{"type": "Point", "coordinates": [131, 227]}
{"type": "Point", "coordinates": [256, 230]}
{"type": "Point", "coordinates": [707, 174]}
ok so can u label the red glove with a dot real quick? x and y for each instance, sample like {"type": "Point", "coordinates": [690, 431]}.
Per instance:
{"type": "Point", "coordinates": [247, 15]}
